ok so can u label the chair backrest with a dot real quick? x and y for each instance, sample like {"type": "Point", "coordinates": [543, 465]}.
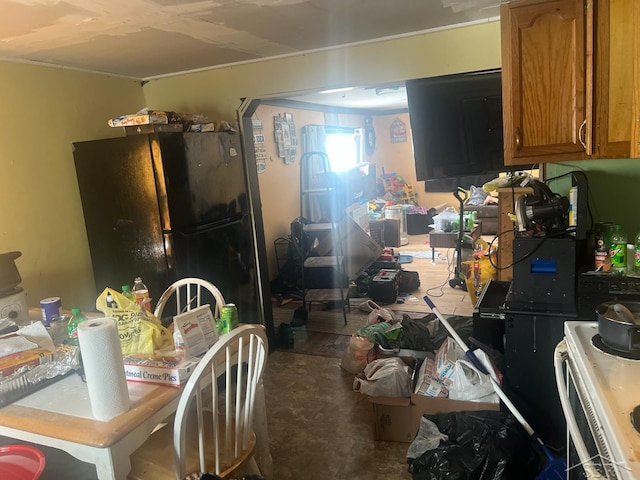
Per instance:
{"type": "Point", "coordinates": [224, 383]}
{"type": "Point", "coordinates": [188, 294]}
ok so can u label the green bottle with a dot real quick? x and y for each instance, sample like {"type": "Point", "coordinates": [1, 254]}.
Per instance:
{"type": "Point", "coordinates": [618, 250]}
{"type": "Point", "coordinates": [77, 317]}
{"type": "Point", "coordinates": [126, 291]}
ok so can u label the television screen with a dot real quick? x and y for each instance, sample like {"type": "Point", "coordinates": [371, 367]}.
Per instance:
{"type": "Point", "coordinates": [456, 125]}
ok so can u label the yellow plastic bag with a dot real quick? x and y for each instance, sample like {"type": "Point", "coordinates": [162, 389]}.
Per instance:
{"type": "Point", "coordinates": [140, 331]}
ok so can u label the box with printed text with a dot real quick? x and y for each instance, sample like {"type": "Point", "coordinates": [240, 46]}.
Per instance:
{"type": "Point", "coordinates": [168, 371]}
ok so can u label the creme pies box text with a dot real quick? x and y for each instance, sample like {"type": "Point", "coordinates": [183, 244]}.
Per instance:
{"type": "Point", "coordinates": [172, 375]}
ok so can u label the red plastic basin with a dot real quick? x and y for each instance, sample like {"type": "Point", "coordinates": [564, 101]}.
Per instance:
{"type": "Point", "coordinates": [21, 462]}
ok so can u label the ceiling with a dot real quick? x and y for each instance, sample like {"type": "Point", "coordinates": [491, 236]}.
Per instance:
{"type": "Point", "coordinates": [145, 39]}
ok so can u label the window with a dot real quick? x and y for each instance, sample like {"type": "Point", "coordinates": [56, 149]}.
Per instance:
{"type": "Point", "coordinates": [344, 147]}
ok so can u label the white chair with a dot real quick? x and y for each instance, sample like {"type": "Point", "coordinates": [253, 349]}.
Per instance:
{"type": "Point", "coordinates": [188, 294]}
{"type": "Point", "coordinates": [212, 431]}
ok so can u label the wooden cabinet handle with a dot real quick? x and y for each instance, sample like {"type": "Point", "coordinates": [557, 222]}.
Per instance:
{"type": "Point", "coordinates": [581, 134]}
{"type": "Point", "coordinates": [518, 140]}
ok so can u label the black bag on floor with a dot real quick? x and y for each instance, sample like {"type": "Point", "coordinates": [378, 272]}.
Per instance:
{"type": "Point", "coordinates": [427, 334]}
{"type": "Point", "coordinates": [409, 281]}
{"type": "Point", "coordinates": [483, 445]}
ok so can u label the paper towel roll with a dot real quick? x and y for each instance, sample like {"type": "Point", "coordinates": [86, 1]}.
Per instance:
{"type": "Point", "coordinates": [103, 367]}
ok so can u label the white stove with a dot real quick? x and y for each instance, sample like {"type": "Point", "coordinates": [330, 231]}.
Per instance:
{"type": "Point", "coordinates": [608, 389]}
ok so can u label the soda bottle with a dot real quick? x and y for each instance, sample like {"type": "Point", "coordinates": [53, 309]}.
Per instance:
{"type": "Point", "coordinates": [636, 257]}
{"type": "Point", "coordinates": [618, 250]}
{"type": "Point", "coordinates": [141, 292]}
{"type": "Point", "coordinates": [77, 317]}
{"type": "Point", "coordinates": [602, 259]}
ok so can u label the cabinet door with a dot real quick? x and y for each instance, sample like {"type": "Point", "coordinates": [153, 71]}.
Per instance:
{"type": "Point", "coordinates": [635, 117]}
{"type": "Point", "coordinates": [543, 80]}
{"type": "Point", "coordinates": [614, 77]}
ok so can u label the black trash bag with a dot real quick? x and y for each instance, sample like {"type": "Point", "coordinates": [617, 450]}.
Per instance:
{"type": "Point", "coordinates": [483, 445]}
{"type": "Point", "coordinates": [427, 333]}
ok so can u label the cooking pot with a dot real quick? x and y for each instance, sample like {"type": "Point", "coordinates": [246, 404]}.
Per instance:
{"type": "Point", "coordinates": [616, 330]}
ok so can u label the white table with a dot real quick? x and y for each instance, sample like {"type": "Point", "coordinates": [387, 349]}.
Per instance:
{"type": "Point", "coordinates": [59, 416]}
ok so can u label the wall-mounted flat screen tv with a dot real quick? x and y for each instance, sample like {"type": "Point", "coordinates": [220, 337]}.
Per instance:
{"type": "Point", "coordinates": [456, 126]}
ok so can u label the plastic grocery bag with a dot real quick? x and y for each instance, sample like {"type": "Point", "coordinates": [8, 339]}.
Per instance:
{"type": "Point", "coordinates": [354, 358]}
{"type": "Point", "coordinates": [384, 377]}
{"type": "Point", "coordinates": [469, 384]}
{"type": "Point", "coordinates": [140, 331]}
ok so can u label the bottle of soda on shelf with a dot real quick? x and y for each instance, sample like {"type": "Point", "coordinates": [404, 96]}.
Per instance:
{"type": "Point", "coordinates": [618, 250]}
{"type": "Point", "coordinates": [77, 317]}
{"type": "Point", "coordinates": [141, 292]}
{"type": "Point", "coordinates": [602, 259]}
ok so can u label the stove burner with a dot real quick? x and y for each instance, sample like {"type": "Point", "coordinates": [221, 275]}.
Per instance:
{"type": "Point", "coordinates": [604, 348]}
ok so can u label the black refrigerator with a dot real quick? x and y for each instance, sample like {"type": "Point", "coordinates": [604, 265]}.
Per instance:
{"type": "Point", "coordinates": [165, 206]}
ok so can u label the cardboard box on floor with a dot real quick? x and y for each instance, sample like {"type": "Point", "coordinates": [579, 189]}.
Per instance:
{"type": "Point", "coordinates": [397, 419]}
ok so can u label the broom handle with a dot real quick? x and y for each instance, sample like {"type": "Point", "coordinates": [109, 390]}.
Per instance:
{"type": "Point", "coordinates": [483, 368]}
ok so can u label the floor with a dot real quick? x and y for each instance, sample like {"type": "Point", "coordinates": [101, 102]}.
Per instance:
{"type": "Point", "coordinates": [319, 428]}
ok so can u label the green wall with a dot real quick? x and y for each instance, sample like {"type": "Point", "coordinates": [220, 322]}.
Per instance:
{"type": "Point", "coordinates": [613, 185]}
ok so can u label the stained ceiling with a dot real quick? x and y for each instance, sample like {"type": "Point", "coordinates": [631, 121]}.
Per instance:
{"type": "Point", "coordinates": [145, 39]}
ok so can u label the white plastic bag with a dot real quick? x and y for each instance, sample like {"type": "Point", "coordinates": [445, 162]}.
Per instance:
{"type": "Point", "coordinates": [379, 314]}
{"type": "Point", "coordinates": [384, 377]}
{"type": "Point", "coordinates": [354, 358]}
{"type": "Point", "coordinates": [470, 384]}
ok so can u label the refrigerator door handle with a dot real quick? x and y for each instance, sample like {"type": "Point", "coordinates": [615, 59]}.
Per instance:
{"type": "Point", "coordinates": [227, 222]}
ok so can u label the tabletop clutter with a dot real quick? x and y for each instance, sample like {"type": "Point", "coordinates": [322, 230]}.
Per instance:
{"type": "Point", "coordinates": [127, 343]}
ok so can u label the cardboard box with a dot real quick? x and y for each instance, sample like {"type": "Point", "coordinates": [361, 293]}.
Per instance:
{"type": "Point", "coordinates": [32, 358]}
{"type": "Point", "coordinates": [145, 118]}
{"type": "Point", "coordinates": [167, 372]}
{"type": "Point", "coordinates": [398, 419]}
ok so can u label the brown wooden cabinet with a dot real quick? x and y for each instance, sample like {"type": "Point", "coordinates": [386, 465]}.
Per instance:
{"type": "Point", "coordinates": [613, 69]}
{"type": "Point", "coordinates": [569, 79]}
{"type": "Point", "coordinates": [543, 80]}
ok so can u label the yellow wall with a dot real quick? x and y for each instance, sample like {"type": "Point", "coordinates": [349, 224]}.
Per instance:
{"type": "Point", "coordinates": [43, 111]}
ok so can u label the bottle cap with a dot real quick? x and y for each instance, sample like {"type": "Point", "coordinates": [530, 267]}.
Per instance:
{"type": "Point", "coordinates": [126, 288]}
{"type": "Point", "coordinates": [75, 311]}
